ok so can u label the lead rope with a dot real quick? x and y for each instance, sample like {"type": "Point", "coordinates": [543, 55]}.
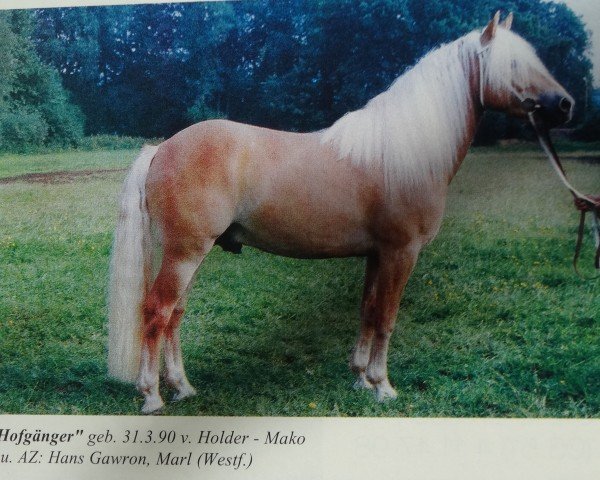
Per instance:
{"type": "Point", "coordinates": [546, 143]}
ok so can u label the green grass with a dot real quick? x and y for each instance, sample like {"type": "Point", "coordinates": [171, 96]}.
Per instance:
{"type": "Point", "coordinates": [494, 322]}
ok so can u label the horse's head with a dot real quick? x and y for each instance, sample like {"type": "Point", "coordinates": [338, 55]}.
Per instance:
{"type": "Point", "coordinates": [514, 80]}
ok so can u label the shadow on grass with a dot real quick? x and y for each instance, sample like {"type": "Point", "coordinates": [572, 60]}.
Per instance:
{"type": "Point", "coordinates": [75, 387]}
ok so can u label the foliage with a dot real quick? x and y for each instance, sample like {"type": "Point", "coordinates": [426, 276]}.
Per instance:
{"type": "Point", "coordinates": [150, 70]}
{"type": "Point", "coordinates": [494, 322]}
{"type": "Point", "coordinates": [113, 142]}
{"type": "Point", "coordinates": [34, 107]}
{"type": "Point", "coordinates": [590, 129]}
{"type": "Point", "coordinates": [135, 70]}
{"type": "Point", "coordinates": [22, 131]}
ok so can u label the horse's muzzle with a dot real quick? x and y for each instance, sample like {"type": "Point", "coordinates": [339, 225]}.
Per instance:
{"type": "Point", "coordinates": [555, 109]}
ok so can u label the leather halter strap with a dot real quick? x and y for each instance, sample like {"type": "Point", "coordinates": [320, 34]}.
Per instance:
{"type": "Point", "coordinates": [480, 53]}
{"type": "Point", "coordinates": [546, 143]}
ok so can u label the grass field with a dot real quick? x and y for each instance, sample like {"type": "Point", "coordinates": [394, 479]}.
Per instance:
{"type": "Point", "coordinates": [494, 321]}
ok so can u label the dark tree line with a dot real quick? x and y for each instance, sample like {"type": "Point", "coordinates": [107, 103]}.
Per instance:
{"type": "Point", "coordinates": [150, 70]}
{"type": "Point", "coordinates": [34, 107]}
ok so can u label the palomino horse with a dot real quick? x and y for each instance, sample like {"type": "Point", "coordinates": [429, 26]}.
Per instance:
{"type": "Point", "coordinates": [373, 185]}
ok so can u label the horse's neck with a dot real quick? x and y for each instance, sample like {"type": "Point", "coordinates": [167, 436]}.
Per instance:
{"type": "Point", "coordinates": [474, 114]}
{"type": "Point", "coordinates": [473, 111]}
{"type": "Point", "coordinates": [420, 129]}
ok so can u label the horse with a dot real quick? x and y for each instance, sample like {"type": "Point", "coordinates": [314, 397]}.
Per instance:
{"type": "Point", "coordinates": [372, 185]}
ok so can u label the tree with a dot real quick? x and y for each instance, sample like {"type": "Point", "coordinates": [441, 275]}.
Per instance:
{"type": "Point", "coordinates": [137, 70]}
{"type": "Point", "coordinates": [34, 107]}
{"type": "Point", "coordinates": [294, 64]}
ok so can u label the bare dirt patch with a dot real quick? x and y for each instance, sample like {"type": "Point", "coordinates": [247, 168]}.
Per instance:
{"type": "Point", "coordinates": [64, 176]}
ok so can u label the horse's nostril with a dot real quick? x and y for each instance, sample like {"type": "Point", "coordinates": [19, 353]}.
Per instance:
{"type": "Point", "coordinates": [565, 105]}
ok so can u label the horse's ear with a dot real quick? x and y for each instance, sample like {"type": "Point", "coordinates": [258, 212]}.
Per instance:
{"type": "Point", "coordinates": [507, 23]}
{"type": "Point", "coordinates": [490, 31]}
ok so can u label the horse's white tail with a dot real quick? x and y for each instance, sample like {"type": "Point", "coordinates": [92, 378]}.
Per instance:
{"type": "Point", "coordinates": [130, 272]}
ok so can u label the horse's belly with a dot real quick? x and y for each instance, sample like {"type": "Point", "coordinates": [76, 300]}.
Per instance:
{"type": "Point", "coordinates": [305, 236]}
{"type": "Point", "coordinates": [303, 249]}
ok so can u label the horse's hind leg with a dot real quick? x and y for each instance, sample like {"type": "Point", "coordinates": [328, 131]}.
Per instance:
{"type": "Point", "coordinates": [174, 371]}
{"type": "Point", "coordinates": [359, 359]}
{"type": "Point", "coordinates": [177, 271]}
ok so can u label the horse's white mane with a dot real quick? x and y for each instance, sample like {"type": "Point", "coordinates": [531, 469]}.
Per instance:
{"type": "Point", "coordinates": [415, 128]}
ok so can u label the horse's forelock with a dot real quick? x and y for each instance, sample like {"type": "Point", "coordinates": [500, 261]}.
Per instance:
{"type": "Point", "coordinates": [511, 61]}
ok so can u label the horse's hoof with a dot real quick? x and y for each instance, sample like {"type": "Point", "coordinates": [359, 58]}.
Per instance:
{"type": "Point", "coordinates": [185, 392]}
{"type": "Point", "coordinates": [384, 392]}
{"type": "Point", "coordinates": [152, 406]}
{"type": "Point", "coordinates": [362, 383]}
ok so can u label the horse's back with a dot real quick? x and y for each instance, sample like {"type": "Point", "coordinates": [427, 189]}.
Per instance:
{"type": "Point", "coordinates": [278, 188]}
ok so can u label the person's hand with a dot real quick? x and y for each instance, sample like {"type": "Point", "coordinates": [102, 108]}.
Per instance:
{"type": "Point", "coordinates": [584, 206]}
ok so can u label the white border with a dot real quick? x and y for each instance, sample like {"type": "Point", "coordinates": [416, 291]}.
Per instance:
{"type": "Point", "coordinates": [337, 448]}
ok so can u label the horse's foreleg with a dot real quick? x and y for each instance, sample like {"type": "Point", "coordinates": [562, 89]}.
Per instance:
{"type": "Point", "coordinates": [359, 358]}
{"type": "Point", "coordinates": [174, 277]}
{"type": "Point", "coordinates": [174, 371]}
{"type": "Point", "coordinates": [394, 270]}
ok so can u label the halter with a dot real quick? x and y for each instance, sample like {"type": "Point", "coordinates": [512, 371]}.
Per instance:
{"type": "Point", "coordinates": [480, 53]}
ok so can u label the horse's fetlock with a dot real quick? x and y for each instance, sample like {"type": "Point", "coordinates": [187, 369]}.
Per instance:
{"type": "Point", "coordinates": [375, 377]}
{"type": "Point", "coordinates": [174, 379]}
{"type": "Point", "coordinates": [143, 386]}
{"type": "Point", "coordinates": [356, 368]}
